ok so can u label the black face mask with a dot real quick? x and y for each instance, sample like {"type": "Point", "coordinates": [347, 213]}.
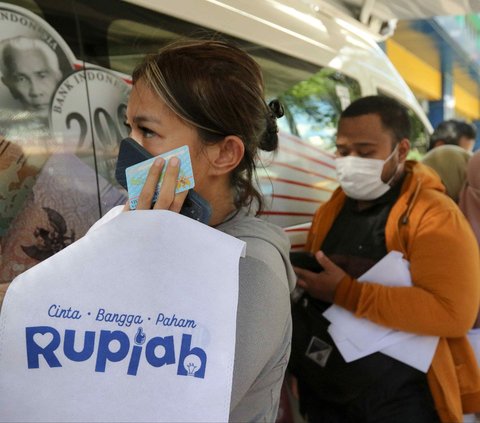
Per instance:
{"type": "Point", "coordinates": [131, 153]}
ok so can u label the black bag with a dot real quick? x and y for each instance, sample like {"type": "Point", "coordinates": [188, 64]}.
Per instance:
{"type": "Point", "coordinates": [316, 361]}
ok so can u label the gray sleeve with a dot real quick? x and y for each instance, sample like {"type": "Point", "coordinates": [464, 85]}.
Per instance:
{"type": "Point", "coordinates": [262, 342]}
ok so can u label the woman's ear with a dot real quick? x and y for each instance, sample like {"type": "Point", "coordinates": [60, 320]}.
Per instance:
{"type": "Point", "coordinates": [225, 155]}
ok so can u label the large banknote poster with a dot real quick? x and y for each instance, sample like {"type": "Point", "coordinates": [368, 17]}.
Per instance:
{"type": "Point", "coordinates": [61, 122]}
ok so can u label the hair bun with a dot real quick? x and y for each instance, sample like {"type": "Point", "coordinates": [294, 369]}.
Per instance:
{"type": "Point", "coordinates": [269, 141]}
{"type": "Point", "coordinates": [277, 108]}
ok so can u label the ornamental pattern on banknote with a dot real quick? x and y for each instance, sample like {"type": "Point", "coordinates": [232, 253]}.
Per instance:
{"type": "Point", "coordinates": [51, 240]}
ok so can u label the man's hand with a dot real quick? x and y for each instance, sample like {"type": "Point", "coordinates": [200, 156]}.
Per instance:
{"type": "Point", "coordinates": [321, 285]}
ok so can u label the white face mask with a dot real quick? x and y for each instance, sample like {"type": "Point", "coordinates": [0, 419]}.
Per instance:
{"type": "Point", "coordinates": [360, 178]}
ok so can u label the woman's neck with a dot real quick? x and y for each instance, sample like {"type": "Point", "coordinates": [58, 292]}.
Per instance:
{"type": "Point", "coordinates": [221, 209]}
{"type": "Point", "coordinates": [221, 198]}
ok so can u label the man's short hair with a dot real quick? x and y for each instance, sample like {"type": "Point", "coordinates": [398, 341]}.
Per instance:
{"type": "Point", "coordinates": [10, 46]}
{"type": "Point", "coordinates": [450, 131]}
{"type": "Point", "coordinates": [393, 114]}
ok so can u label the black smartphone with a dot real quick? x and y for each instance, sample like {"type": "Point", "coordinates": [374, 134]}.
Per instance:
{"type": "Point", "coordinates": [131, 152]}
{"type": "Point", "coordinates": [305, 260]}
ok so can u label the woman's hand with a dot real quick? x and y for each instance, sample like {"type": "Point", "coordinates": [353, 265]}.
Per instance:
{"type": "Point", "coordinates": [167, 199]}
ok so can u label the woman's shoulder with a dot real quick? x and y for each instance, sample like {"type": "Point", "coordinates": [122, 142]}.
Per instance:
{"type": "Point", "coordinates": [267, 247]}
{"type": "Point", "coordinates": [249, 228]}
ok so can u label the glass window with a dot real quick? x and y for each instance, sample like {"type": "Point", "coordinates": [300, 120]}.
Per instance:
{"type": "Point", "coordinates": [419, 137]}
{"type": "Point", "coordinates": [313, 97]}
{"type": "Point", "coordinates": [57, 171]}
{"type": "Point", "coordinates": [301, 175]}
{"type": "Point", "coordinates": [314, 106]}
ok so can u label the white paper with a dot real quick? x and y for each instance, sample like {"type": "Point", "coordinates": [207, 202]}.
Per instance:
{"type": "Point", "coordinates": [358, 337]}
{"type": "Point", "coordinates": [416, 351]}
{"type": "Point", "coordinates": [392, 337]}
{"type": "Point", "coordinates": [392, 270]}
{"type": "Point", "coordinates": [172, 283]}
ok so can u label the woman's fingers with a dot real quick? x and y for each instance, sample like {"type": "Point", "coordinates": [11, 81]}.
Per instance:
{"type": "Point", "coordinates": [148, 190]}
{"type": "Point", "coordinates": [178, 201]}
{"type": "Point", "coordinates": [166, 197]}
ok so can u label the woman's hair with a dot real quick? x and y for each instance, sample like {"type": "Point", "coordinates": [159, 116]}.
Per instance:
{"type": "Point", "coordinates": [217, 88]}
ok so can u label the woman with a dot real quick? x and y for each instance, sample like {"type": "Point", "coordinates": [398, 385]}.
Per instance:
{"type": "Point", "coordinates": [209, 95]}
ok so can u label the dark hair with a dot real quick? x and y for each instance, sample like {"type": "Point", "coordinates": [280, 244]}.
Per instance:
{"type": "Point", "coordinates": [450, 132]}
{"type": "Point", "coordinates": [217, 88]}
{"type": "Point", "coordinates": [393, 115]}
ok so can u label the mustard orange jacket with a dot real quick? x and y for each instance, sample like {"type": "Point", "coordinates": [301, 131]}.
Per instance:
{"type": "Point", "coordinates": [432, 233]}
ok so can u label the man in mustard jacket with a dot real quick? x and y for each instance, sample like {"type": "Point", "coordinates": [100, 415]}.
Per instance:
{"type": "Point", "coordinates": [387, 203]}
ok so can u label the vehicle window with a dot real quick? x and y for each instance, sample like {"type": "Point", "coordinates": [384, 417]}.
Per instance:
{"type": "Point", "coordinates": [129, 41]}
{"type": "Point", "coordinates": [29, 5]}
{"type": "Point", "coordinates": [313, 97]}
{"type": "Point", "coordinates": [301, 175]}
{"type": "Point", "coordinates": [314, 106]}
{"type": "Point", "coordinates": [36, 220]}
{"type": "Point", "coordinates": [57, 167]}
{"type": "Point", "coordinates": [419, 138]}
{"type": "Point", "coordinates": [61, 119]}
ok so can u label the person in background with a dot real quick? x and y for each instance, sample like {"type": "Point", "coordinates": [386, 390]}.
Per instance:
{"type": "Point", "coordinates": [450, 162]}
{"type": "Point", "coordinates": [470, 205]}
{"type": "Point", "coordinates": [454, 132]}
{"type": "Point", "coordinates": [386, 203]}
{"type": "Point", "coordinates": [469, 201]}
{"type": "Point", "coordinates": [31, 71]}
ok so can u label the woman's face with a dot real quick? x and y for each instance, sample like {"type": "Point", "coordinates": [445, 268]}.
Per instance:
{"type": "Point", "coordinates": [154, 126]}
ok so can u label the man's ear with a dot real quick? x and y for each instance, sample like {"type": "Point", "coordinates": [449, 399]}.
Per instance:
{"type": "Point", "coordinates": [403, 149]}
{"type": "Point", "coordinates": [225, 155]}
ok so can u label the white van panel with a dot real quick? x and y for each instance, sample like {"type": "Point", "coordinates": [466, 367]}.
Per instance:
{"type": "Point", "coordinates": [294, 28]}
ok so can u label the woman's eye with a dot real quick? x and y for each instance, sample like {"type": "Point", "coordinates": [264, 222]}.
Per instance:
{"type": "Point", "coordinates": [147, 133]}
